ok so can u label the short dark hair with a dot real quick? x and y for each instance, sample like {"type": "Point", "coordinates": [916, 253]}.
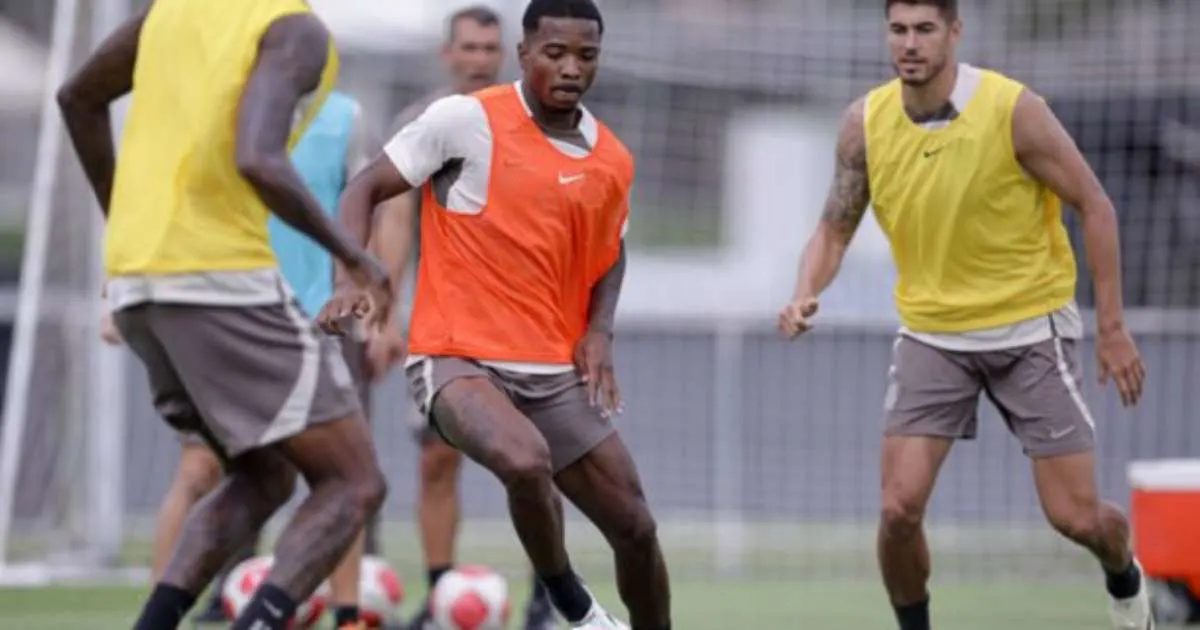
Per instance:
{"type": "Point", "coordinates": [948, 8]}
{"type": "Point", "coordinates": [578, 9]}
{"type": "Point", "coordinates": [480, 15]}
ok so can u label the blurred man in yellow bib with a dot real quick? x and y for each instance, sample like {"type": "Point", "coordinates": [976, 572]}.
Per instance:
{"type": "Point", "coordinates": [196, 289]}
{"type": "Point", "coordinates": [967, 171]}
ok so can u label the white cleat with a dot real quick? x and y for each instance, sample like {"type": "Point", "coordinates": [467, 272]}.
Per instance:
{"type": "Point", "coordinates": [1132, 613]}
{"type": "Point", "coordinates": [599, 619]}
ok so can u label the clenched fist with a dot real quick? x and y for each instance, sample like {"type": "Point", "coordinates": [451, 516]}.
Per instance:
{"type": "Point", "coordinates": [796, 318]}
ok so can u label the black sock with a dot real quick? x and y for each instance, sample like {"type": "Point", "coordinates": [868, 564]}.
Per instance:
{"type": "Point", "coordinates": [345, 615]}
{"type": "Point", "coordinates": [1124, 584]}
{"type": "Point", "coordinates": [913, 616]}
{"type": "Point", "coordinates": [269, 609]}
{"type": "Point", "coordinates": [666, 627]}
{"type": "Point", "coordinates": [538, 593]}
{"type": "Point", "coordinates": [436, 573]}
{"type": "Point", "coordinates": [568, 595]}
{"type": "Point", "coordinates": [165, 608]}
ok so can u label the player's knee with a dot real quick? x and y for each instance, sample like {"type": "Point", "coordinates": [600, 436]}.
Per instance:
{"type": "Point", "coordinates": [440, 464]}
{"type": "Point", "coordinates": [368, 494]}
{"type": "Point", "coordinates": [636, 528]}
{"type": "Point", "coordinates": [900, 518]}
{"type": "Point", "coordinates": [1081, 525]}
{"type": "Point", "coordinates": [526, 470]}
{"type": "Point", "coordinates": [199, 473]}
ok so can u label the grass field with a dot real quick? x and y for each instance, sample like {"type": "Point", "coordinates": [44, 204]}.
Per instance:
{"type": "Point", "coordinates": [697, 605]}
{"type": "Point", "coordinates": [798, 577]}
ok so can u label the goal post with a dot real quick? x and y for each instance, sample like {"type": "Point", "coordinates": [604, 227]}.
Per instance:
{"type": "Point", "coordinates": [61, 515]}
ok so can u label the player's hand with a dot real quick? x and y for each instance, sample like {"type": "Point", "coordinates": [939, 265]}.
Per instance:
{"type": "Point", "coordinates": [108, 330]}
{"type": "Point", "coordinates": [796, 318]}
{"type": "Point", "coordinates": [368, 274]}
{"type": "Point", "coordinates": [1119, 360]}
{"type": "Point", "coordinates": [367, 295]}
{"type": "Point", "coordinates": [347, 303]}
{"type": "Point", "coordinates": [593, 359]}
{"type": "Point", "coordinates": [385, 349]}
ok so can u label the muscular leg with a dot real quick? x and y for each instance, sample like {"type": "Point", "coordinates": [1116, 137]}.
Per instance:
{"type": "Point", "coordinates": [910, 468]}
{"type": "Point", "coordinates": [605, 486]}
{"type": "Point", "coordinates": [337, 460]}
{"type": "Point", "coordinates": [1066, 486]}
{"type": "Point", "coordinates": [482, 422]}
{"type": "Point", "coordinates": [438, 505]}
{"type": "Point", "coordinates": [256, 484]}
{"type": "Point", "coordinates": [198, 473]}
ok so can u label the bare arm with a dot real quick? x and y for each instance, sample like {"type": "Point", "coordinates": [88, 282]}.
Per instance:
{"type": "Point", "coordinates": [291, 60]}
{"type": "Point", "coordinates": [605, 294]}
{"type": "Point", "coordinates": [85, 99]}
{"type": "Point", "coordinates": [1048, 153]}
{"type": "Point", "coordinates": [393, 237]}
{"type": "Point", "coordinates": [845, 206]}
{"type": "Point", "coordinates": [375, 184]}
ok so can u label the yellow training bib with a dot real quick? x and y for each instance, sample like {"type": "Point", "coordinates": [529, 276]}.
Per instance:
{"type": "Point", "coordinates": [977, 242]}
{"type": "Point", "coordinates": [179, 204]}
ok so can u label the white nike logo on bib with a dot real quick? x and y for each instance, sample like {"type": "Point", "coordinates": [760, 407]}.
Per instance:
{"type": "Point", "coordinates": [569, 179]}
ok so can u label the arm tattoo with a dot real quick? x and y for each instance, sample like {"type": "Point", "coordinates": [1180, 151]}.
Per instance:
{"type": "Point", "coordinates": [291, 60]}
{"type": "Point", "coordinates": [851, 192]}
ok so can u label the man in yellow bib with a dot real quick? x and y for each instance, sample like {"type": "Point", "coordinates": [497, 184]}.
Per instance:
{"type": "Point", "coordinates": [965, 169]}
{"type": "Point", "coordinates": [196, 289]}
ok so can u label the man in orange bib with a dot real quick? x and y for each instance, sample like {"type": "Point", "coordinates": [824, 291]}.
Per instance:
{"type": "Point", "coordinates": [524, 205]}
{"type": "Point", "coordinates": [965, 169]}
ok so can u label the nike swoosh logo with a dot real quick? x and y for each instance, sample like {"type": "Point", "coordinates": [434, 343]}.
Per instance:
{"type": "Point", "coordinates": [934, 152]}
{"type": "Point", "coordinates": [1054, 435]}
{"type": "Point", "coordinates": [569, 179]}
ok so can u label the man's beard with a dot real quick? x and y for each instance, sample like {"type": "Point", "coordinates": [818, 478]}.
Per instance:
{"type": "Point", "coordinates": [934, 71]}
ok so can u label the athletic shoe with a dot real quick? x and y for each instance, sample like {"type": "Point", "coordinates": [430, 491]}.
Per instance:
{"type": "Point", "coordinates": [213, 613]}
{"type": "Point", "coordinates": [540, 615]}
{"type": "Point", "coordinates": [599, 619]}
{"type": "Point", "coordinates": [1133, 613]}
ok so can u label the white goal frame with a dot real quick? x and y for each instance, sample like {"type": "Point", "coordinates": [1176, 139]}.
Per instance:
{"type": "Point", "coordinates": [105, 429]}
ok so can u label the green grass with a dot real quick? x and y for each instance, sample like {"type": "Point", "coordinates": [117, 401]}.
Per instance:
{"type": "Point", "coordinates": [711, 605]}
{"type": "Point", "coordinates": [795, 576]}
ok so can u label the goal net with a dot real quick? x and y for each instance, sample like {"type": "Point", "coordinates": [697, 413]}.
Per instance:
{"type": "Point", "coordinates": [760, 458]}
{"type": "Point", "coordinates": [62, 441]}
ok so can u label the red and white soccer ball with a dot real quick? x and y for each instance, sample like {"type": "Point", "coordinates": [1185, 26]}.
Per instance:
{"type": "Point", "coordinates": [380, 592]}
{"type": "Point", "coordinates": [246, 577]}
{"type": "Point", "coordinates": [470, 598]}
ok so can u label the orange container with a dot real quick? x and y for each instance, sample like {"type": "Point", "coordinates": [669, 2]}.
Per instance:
{"type": "Point", "coordinates": [1166, 518]}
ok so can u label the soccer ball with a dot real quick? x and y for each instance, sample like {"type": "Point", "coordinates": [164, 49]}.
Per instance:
{"type": "Point", "coordinates": [380, 591]}
{"type": "Point", "coordinates": [246, 577]}
{"type": "Point", "coordinates": [470, 598]}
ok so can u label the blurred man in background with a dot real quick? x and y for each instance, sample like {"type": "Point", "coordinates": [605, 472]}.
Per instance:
{"type": "Point", "coordinates": [197, 292]}
{"type": "Point", "coordinates": [473, 55]}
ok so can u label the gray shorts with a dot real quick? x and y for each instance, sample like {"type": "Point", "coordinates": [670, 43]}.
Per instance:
{"type": "Point", "coordinates": [935, 393]}
{"type": "Point", "coordinates": [557, 404]}
{"type": "Point", "coordinates": [239, 377]}
{"type": "Point", "coordinates": [355, 353]}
